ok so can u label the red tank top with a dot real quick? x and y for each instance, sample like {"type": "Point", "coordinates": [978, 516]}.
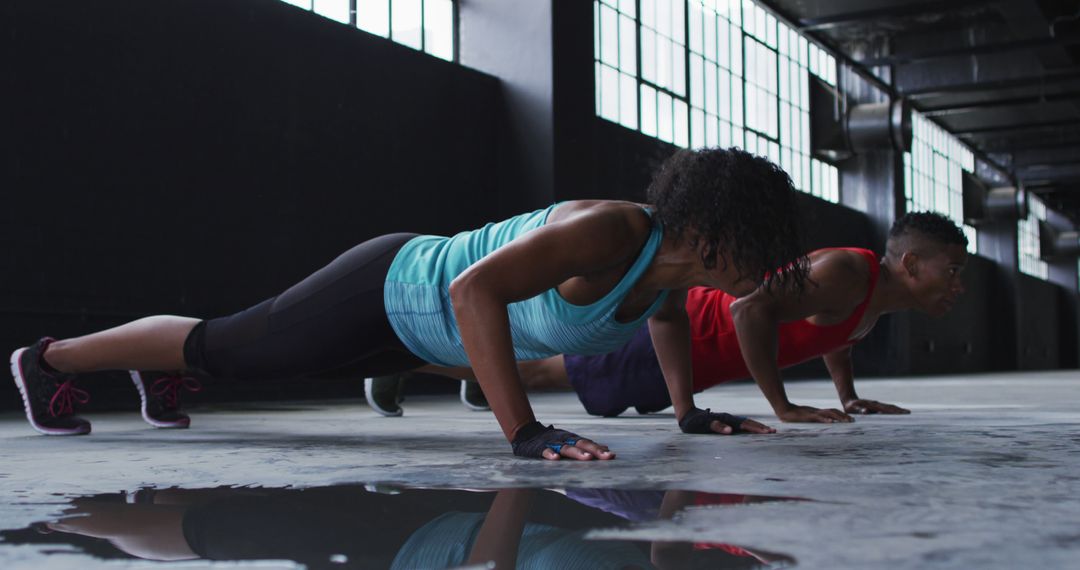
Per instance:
{"type": "Point", "coordinates": [715, 348]}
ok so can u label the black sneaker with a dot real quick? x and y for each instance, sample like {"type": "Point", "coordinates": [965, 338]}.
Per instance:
{"type": "Point", "coordinates": [473, 397]}
{"type": "Point", "coordinates": [49, 398]}
{"type": "Point", "coordinates": [159, 393]}
{"type": "Point", "coordinates": [383, 394]}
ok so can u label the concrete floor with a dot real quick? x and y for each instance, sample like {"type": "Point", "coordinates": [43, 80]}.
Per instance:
{"type": "Point", "coordinates": [984, 473]}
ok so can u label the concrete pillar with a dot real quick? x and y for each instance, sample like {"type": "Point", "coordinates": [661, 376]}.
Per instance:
{"type": "Point", "coordinates": [512, 40]}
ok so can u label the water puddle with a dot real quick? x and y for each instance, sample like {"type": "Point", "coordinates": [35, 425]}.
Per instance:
{"type": "Point", "coordinates": [389, 526]}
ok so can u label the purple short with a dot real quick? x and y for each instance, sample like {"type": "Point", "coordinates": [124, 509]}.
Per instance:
{"type": "Point", "coordinates": [610, 383]}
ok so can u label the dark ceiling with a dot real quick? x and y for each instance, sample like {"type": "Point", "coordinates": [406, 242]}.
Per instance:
{"type": "Point", "coordinates": [1003, 76]}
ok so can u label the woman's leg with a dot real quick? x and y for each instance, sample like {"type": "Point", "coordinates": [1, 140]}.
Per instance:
{"type": "Point", "coordinates": [151, 343]}
{"type": "Point", "coordinates": [333, 319]}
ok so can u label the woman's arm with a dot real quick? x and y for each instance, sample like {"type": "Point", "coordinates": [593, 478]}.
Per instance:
{"type": "Point", "coordinates": [670, 331]}
{"type": "Point", "coordinates": [669, 328]}
{"type": "Point", "coordinates": [587, 243]}
{"type": "Point", "coordinates": [500, 535]}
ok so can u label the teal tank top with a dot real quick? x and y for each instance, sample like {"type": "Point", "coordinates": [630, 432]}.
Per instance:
{"type": "Point", "coordinates": [417, 298]}
{"type": "Point", "coordinates": [447, 540]}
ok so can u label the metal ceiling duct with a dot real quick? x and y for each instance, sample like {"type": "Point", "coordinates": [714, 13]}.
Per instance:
{"type": "Point", "coordinates": [1055, 244]}
{"type": "Point", "coordinates": [982, 204]}
{"type": "Point", "coordinates": [839, 130]}
{"type": "Point", "coordinates": [880, 126]}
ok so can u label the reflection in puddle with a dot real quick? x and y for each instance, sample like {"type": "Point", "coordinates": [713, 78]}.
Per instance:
{"type": "Point", "coordinates": [386, 526]}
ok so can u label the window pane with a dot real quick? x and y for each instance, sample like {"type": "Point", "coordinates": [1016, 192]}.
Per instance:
{"type": "Point", "coordinates": [696, 28]}
{"type": "Point", "coordinates": [373, 16]}
{"type": "Point", "coordinates": [663, 62]}
{"type": "Point", "coordinates": [760, 25]}
{"type": "Point", "coordinates": [405, 25]}
{"type": "Point", "coordinates": [736, 102]}
{"type": "Point", "coordinates": [648, 110]}
{"type": "Point", "coordinates": [627, 45]}
{"type": "Point", "coordinates": [337, 10]}
{"type": "Point", "coordinates": [805, 131]}
{"type": "Point", "coordinates": [306, 4]}
{"type": "Point", "coordinates": [439, 28]}
{"type": "Point", "coordinates": [663, 17]}
{"type": "Point", "coordinates": [710, 88]}
{"type": "Point", "coordinates": [609, 36]}
{"type": "Point", "coordinates": [664, 122]}
{"type": "Point", "coordinates": [751, 107]}
{"type": "Point", "coordinates": [710, 38]}
{"type": "Point", "coordinates": [736, 51]}
{"type": "Point", "coordinates": [697, 81]}
{"type": "Point", "coordinates": [628, 113]}
{"type": "Point", "coordinates": [609, 93]}
{"type": "Point", "coordinates": [723, 51]}
{"type": "Point", "coordinates": [785, 124]}
{"type": "Point", "coordinates": [785, 75]}
{"type": "Point", "coordinates": [724, 90]}
{"type": "Point", "coordinates": [678, 70]}
{"type": "Point", "coordinates": [648, 55]}
{"type": "Point", "coordinates": [596, 29]}
{"type": "Point", "coordinates": [648, 13]}
{"type": "Point", "coordinates": [751, 23]}
{"type": "Point", "coordinates": [678, 22]}
{"type": "Point", "coordinates": [804, 89]}
{"type": "Point", "coordinates": [599, 83]}
{"type": "Point", "coordinates": [681, 127]}
{"type": "Point", "coordinates": [697, 128]}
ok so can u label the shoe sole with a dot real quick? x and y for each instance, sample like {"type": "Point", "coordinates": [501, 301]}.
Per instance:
{"type": "Point", "coordinates": [368, 384]}
{"type": "Point", "coordinates": [16, 372]}
{"type": "Point", "coordinates": [465, 401]}
{"type": "Point", "coordinates": [136, 378]}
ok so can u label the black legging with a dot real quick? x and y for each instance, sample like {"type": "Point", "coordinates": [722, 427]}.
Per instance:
{"type": "Point", "coordinates": [332, 321]}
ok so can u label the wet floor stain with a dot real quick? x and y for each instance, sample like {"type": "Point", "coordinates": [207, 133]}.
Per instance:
{"type": "Point", "coordinates": [383, 525]}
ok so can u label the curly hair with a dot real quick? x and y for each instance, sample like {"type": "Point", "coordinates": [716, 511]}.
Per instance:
{"type": "Point", "coordinates": [740, 208]}
{"type": "Point", "coordinates": [931, 225]}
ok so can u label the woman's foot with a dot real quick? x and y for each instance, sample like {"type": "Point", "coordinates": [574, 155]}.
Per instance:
{"type": "Point", "coordinates": [159, 394]}
{"type": "Point", "coordinates": [473, 397]}
{"type": "Point", "coordinates": [49, 396]}
{"type": "Point", "coordinates": [383, 394]}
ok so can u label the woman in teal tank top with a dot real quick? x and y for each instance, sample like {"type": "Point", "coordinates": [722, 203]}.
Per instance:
{"type": "Point", "coordinates": [577, 277]}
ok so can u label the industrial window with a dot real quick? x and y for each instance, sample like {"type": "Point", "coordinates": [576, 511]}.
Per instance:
{"type": "Point", "coordinates": [1027, 240]}
{"type": "Point", "coordinates": [425, 25]}
{"type": "Point", "coordinates": [712, 73]}
{"type": "Point", "coordinates": [933, 178]}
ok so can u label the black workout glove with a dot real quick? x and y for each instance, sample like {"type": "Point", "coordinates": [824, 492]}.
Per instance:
{"type": "Point", "coordinates": [532, 439]}
{"type": "Point", "coordinates": [698, 421]}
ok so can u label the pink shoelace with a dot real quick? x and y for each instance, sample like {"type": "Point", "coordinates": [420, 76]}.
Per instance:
{"type": "Point", "coordinates": [64, 400]}
{"type": "Point", "coordinates": [168, 389]}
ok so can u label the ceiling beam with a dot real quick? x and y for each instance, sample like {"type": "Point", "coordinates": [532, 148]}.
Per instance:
{"type": "Point", "coordinates": [1070, 74]}
{"type": "Point", "coordinates": [1017, 127]}
{"type": "Point", "coordinates": [910, 9]}
{"type": "Point", "coordinates": [982, 49]}
{"type": "Point", "coordinates": [960, 108]}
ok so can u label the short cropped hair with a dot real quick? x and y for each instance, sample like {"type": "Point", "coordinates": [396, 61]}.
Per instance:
{"type": "Point", "coordinates": [931, 225]}
{"type": "Point", "coordinates": [740, 205]}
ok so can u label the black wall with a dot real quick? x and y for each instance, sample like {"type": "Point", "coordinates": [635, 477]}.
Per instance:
{"type": "Point", "coordinates": [194, 157]}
